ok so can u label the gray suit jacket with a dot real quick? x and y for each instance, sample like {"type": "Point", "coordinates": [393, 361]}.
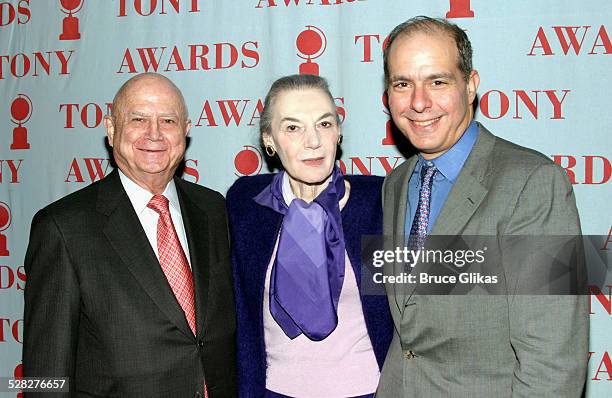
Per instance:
{"type": "Point", "coordinates": [504, 345]}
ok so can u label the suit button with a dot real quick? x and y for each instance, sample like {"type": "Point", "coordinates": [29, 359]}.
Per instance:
{"type": "Point", "coordinates": [408, 354]}
{"type": "Point", "coordinates": [201, 343]}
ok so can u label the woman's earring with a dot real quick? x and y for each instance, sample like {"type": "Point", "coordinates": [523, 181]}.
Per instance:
{"type": "Point", "coordinates": [270, 151]}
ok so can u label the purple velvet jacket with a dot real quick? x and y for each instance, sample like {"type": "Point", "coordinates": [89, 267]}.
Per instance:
{"type": "Point", "coordinates": [254, 229]}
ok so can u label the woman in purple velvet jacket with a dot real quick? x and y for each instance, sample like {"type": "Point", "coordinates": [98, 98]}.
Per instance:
{"type": "Point", "coordinates": [304, 329]}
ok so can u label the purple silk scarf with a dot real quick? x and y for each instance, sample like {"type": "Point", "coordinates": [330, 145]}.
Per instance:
{"type": "Point", "coordinates": [308, 272]}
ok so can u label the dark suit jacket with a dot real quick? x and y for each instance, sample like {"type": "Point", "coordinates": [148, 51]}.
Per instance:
{"type": "Point", "coordinates": [98, 307]}
{"type": "Point", "coordinates": [254, 229]}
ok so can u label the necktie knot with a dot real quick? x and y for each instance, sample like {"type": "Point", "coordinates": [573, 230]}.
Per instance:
{"type": "Point", "coordinates": [159, 203]}
{"type": "Point", "coordinates": [427, 173]}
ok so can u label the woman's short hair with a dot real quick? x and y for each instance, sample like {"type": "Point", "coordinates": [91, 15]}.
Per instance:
{"type": "Point", "coordinates": [290, 83]}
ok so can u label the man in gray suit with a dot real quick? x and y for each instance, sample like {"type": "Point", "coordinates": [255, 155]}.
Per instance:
{"type": "Point", "coordinates": [467, 182]}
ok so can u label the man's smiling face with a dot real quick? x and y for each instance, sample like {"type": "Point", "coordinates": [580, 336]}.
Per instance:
{"type": "Point", "coordinates": [429, 98]}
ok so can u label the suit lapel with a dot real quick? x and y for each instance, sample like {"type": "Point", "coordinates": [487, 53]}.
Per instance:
{"type": "Point", "coordinates": [400, 203]}
{"type": "Point", "coordinates": [466, 195]}
{"type": "Point", "coordinates": [468, 192]}
{"type": "Point", "coordinates": [196, 225]}
{"type": "Point", "coordinates": [462, 202]}
{"type": "Point", "coordinates": [127, 237]}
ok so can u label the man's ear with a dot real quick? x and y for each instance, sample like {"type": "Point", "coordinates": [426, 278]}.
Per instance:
{"type": "Point", "coordinates": [109, 125]}
{"type": "Point", "coordinates": [187, 127]}
{"type": "Point", "coordinates": [472, 85]}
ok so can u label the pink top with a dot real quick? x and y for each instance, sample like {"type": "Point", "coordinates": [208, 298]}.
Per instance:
{"type": "Point", "coordinates": [342, 365]}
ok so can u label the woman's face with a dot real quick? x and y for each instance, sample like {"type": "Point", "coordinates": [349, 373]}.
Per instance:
{"type": "Point", "coordinates": [304, 133]}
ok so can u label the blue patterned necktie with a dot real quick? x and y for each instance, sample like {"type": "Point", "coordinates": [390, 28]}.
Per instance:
{"type": "Point", "coordinates": [418, 231]}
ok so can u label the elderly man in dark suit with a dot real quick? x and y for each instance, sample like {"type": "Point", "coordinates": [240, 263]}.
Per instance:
{"type": "Point", "coordinates": [129, 282]}
{"type": "Point", "coordinates": [465, 181]}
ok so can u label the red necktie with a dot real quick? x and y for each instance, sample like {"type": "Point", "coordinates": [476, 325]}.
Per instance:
{"type": "Point", "coordinates": [173, 261]}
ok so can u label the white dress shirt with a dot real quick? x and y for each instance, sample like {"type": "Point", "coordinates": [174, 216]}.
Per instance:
{"type": "Point", "coordinates": [140, 198]}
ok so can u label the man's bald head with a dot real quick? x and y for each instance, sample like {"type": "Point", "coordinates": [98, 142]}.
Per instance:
{"type": "Point", "coordinates": [143, 78]}
{"type": "Point", "coordinates": [148, 130]}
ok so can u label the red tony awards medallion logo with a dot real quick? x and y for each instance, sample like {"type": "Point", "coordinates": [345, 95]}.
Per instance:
{"type": "Point", "coordinates": [460, 9]}
{"type": "Point", "coordinates": [311, 43]}
{"type": "Point", "coordinates": [248, 161]}
{"type": "Point", "coordinates": [70, 24]}
{"type": "Point", "coordinates": [21, 111]}
{"type": "Point", "coordinates": [5, 222]}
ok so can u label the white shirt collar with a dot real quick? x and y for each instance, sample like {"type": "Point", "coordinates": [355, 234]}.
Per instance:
{"type": "Point", "coordinates": [140, 197]}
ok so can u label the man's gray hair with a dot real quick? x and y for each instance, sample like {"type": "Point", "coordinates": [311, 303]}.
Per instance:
{"type": "Point", "coordinates": [423, 24]}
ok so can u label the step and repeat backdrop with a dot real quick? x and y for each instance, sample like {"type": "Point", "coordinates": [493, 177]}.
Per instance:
{"type": "Point", "coordinates": [545, 83]}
